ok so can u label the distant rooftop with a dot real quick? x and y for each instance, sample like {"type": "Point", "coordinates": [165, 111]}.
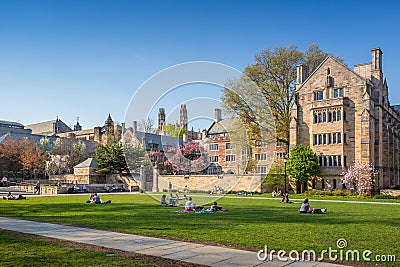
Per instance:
{"type": "Point", "coordinates": [89, 163]}
{"type": "Point", "coordinates": [11, 124]}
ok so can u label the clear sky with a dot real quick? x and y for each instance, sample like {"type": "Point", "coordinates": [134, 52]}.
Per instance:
{"type": "Point", "coordinates": [86, 58]}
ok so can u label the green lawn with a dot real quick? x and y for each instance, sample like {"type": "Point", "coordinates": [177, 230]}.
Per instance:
{"type": "Point", "coordinates": [23, 250]}
{"type": "Point", "coordinates": [249, 222]}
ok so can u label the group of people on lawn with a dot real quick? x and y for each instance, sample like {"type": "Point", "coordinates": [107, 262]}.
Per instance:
{"type": "Point", "coordinates": [190, 206]}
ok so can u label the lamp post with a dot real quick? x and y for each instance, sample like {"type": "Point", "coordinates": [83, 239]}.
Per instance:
{"type": "Point", "coordinates": [285, 161]}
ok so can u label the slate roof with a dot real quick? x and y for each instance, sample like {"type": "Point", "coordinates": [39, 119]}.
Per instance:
{"type": "Point", "coordinates": [88, 163]}
{"type": "Point", "coordinates": [396, 108]}
{"type": "Point", "coordinates": [11, 124]}
{"type": "Point", "coordinates": [46, 127]}
{"type": "Point", "coordinates": [163, 141]}
{"type": "Point", "coordinates": [223, 126]}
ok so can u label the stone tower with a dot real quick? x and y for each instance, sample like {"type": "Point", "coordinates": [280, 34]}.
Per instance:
{"type": "Point", "coordinates": [109, 125]}
{"type": "Point", "coordinates": [183, 119]}
{"type": "Point", "coordinates": [77, 126]}
{"type": "Point", "coordinates": [161, 120]}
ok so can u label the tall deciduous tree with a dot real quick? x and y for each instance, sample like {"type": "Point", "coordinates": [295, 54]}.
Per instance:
{"type": "Point", "coordinates": [274, 74]}
{"type": "Point", "coordinates": [135, 157]}
{"type": "Point", "coordinates": [111, 159]}
{"type": "Point", "coordinates": [22, 154]}
{"type": "Point", "coordinates": [302, 165]}
{"type": "Point", "coordinates": [147, 126]}
{"type": "Point", "coordinates": [33, 158]}
{"type": "Point", "coordinates": [174, 131]}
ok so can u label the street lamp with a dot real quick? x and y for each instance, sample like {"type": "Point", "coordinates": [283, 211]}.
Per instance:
{"type": "Point", "coordinates": [285, 161]}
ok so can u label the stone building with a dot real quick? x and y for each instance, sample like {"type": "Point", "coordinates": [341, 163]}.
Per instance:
{"type": "Point", "coordinates": [345, 115]}
{"type": "Point", "coordinates": [226, 157]}
{"type": "Point", "coordinates": [12, 127]}
{"type": "Point", "coordinates": [49, 128]}
{"type": "Point", "coordinates": [109, 133]}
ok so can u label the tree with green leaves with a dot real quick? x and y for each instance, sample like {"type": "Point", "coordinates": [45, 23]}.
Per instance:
{"type": "Point", "coordinates": [174, 131]}
{"type": "Point", "coordinates": [111, 159]}
{"type": "Point", "coordinates": [135, 157]}
{"type": "Point", "coordinates": [269, 83]}
{"type": "Point", "coordinates": [303, 164]}
{"type": "Point", "coordinates": [275, 177]}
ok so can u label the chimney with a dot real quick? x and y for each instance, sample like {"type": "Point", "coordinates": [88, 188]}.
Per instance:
{"type": "Point", "coordinates": [301, 74]}
{"type": "Point", "coordinates": [376, 66]}
{"type": "Point", "coordinates": [204, 134]}
{"type": "Point", "coordinates": [217, 116]}
{"type": "Point", "coordinates": [134, 126]}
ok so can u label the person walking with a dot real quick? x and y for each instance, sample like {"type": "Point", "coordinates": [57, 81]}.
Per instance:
{"type": "Point", "coordinates": [37, 188]}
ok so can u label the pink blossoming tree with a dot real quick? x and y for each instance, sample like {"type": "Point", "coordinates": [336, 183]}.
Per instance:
{"type": "Point", "coordinates": [360, 177]}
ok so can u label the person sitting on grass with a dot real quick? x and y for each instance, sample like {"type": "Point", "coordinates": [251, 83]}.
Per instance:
{"type": "Point", "coordinates": [97, 200]}
{"type": "Point", "coordinates": [190, 205]}
{"type": "Point", "coordinates": [90, 198]}
{"type": "Point", "coordinates": [285, 198]}
{"type": "Point", "coordinates": [305, 208]}
{"type": "Point", "coordinates": [163, 200]}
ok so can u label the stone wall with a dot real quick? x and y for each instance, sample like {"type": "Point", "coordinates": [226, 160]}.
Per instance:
{"type": "Point", "coordinates": [248, 183]}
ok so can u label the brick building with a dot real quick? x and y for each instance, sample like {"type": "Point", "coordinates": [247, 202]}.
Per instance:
{"type": "Point", "coordinates": [345, 115]}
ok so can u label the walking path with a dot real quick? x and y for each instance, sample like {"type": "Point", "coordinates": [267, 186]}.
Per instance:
{"type": "Point", "coordinates": [170, 249]}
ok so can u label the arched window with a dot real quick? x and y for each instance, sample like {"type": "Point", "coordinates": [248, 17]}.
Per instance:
{"type": "Point", "coordinates": [339, 115]}
{"type": "Point", "coordinates": [334, 116]}
{"type": "Point", "coordinates": [329, 160]}
{"type": "Point", "coordinates": [324, 117]}
{"type": "Point", "coordinates": [329, 116]}
{"type": "Point", "coordinates": [319, 117]}
{"type": "Point", "coordinates": [315, 118]}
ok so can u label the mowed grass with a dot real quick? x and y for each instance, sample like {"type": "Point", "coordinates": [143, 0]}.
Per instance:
{"type": "Point", "coordinates": [21, 250]}
{"type": "Point", "coordinates": [249, 223]}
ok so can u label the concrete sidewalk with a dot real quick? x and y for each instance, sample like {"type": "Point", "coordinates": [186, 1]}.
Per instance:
{"type": "Point", "coordinates": [170, 249]}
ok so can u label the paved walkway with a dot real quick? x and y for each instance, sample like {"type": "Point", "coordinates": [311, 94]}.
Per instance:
{"type": "Point", "coordinates": [170, 249]}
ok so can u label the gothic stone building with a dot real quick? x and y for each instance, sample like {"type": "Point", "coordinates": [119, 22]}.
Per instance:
{"type": "Point", "coordinates": [344, 115]}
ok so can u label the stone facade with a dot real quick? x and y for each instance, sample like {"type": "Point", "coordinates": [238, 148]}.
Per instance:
{"type": "Point", "coordinates": [12, 127]}
{"type": "Point", "coordinates": [231, 156]}
{"type": "Point", "coordinates": [105, 135]}
{"type": "Point", "coordinates": [248, 183]}
{"type": "Point", "coordinates": [344, 115]}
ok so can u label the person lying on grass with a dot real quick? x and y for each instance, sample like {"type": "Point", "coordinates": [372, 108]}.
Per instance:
{"type": "Point", "coordinates": [305, 208]}
{"type": "Point", "coordinates": [10, 196]}
{"type": "Point", "coordinates": [216, 208]}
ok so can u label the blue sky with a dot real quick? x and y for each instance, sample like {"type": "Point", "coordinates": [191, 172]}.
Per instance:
{"type": "Point", "coordinates": [87, 58]}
